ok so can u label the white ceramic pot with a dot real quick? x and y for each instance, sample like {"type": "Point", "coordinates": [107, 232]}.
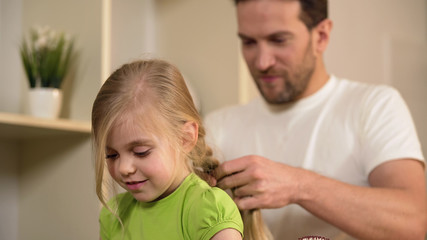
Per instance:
{"type": "Point", "coordinates": [45, 102]}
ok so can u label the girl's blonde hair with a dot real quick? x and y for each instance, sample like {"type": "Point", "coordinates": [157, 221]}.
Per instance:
{"type": "Point", "coordinates": [255, 229]}
{"type": "Point", "coordinates": [141, 88]}
{"type": "Point", "coordinates": [156, 91]}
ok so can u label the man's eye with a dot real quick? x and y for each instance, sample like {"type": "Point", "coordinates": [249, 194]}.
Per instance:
{"type": "Point", "coordinates": [248, 42]}
{"type": "Point", "coordinates": [278, 40]}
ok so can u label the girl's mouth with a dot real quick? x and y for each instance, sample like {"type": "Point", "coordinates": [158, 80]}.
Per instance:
{"type": "Point", "coordinates": [135, 185]}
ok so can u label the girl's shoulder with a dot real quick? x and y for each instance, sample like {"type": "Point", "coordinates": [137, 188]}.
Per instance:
{"type": "Point", "coordinates": [211, 209]}
{"type": "Point", "coordinates": [117, 205]}
{"type": "Point", "coordinates": [199, 190]}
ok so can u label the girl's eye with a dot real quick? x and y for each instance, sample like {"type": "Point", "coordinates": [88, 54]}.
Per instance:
{"type": "Point", "coordinates": [143, 154]}
{"type": "Point", "coordinates": [112, 156]}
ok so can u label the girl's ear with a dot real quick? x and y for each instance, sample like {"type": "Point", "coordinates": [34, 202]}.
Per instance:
{"type": "Point", "coordinates": [190, 135]}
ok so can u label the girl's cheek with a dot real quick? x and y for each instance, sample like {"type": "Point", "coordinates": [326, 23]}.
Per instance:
{"type": "Point", "coordinates": [111, 168]}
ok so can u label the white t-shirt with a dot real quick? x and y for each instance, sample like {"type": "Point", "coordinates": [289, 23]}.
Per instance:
{"type": "Point", "coordinates": [343, 131]}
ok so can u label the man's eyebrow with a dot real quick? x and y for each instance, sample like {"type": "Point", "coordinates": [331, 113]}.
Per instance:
{"type": "Point", "coordinates": [242, 36]}
{"type": "Point", "coordinates": [272, 35]}
{"type": "Point", "coordinates": [281, 34]}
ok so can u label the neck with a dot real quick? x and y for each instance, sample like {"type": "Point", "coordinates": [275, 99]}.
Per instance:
{"type": "Point", "coordinates": [319, 78]}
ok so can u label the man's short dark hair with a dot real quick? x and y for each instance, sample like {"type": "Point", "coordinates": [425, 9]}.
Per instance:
{"type": "Point", "coordinates": [312, 11]}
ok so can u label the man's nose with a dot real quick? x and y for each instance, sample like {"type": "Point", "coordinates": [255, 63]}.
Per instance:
{"type": "Point", "coordinates": [265, 58]}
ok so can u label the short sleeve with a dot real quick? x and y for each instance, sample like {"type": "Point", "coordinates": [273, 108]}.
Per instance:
{"type": "Point", "coordinates": [388, 129]}
{"type": "Point", "coordinates": [213, 212]}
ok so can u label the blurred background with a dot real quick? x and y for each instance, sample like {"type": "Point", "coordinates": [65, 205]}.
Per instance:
{"type": "Point", "coordinates": [47, 183]}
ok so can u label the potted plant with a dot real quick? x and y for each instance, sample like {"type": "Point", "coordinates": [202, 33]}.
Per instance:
{"type": "Point", "coordinates": [46, 57]}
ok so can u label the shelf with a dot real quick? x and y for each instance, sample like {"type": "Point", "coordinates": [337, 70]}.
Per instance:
{"type": "Point", "coordinates": [21, 127]}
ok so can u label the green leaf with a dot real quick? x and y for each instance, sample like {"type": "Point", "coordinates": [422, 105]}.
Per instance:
{"type": "Point", "coordinates": [47, 61]}
{"type": "Point", "coordinates": [29, 64]}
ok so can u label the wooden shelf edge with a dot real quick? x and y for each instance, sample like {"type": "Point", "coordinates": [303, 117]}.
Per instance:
{"type": "Point", "coordinates": [34, 122]}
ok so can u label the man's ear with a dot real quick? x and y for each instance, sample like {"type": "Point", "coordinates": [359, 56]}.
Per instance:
{"type": "Point", "coordinates": [321, 36]}
{"type": "Point", "coordinates": [190, 133]}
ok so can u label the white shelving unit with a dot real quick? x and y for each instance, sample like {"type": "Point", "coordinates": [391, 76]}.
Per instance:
{"type": "Point", "coordinates": [21, 127]}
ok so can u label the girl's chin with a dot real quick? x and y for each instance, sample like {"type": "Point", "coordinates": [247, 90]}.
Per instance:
{"type": "Point", "coordinates": [146, 198]}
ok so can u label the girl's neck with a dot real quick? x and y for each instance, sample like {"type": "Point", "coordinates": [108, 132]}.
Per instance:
{"type": "Point", "coordinates": [175, 182]}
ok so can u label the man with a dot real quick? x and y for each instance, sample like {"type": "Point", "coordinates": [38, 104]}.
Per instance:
{"type": "Point", "coordinates": [321, 156]}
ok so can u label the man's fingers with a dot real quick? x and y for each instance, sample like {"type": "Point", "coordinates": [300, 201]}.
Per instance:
{"type": "Point", "coordinates": [246, 190]}
{"type": "Point", "coordinates": [247, 203]}
{"type": "Point", "coordinates": [230, 167]}
{"type": "Point", "coordinates": [211, 181]}
{"type": "Point", "coordinates": [232, 181]}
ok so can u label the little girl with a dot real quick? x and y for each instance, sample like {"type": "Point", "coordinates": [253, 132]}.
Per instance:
{"type": "Point", "coordinates": [148, 134]}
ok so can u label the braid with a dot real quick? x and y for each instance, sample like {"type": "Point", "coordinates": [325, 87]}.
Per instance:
{"type": "Point", "coordinates": [204, 163]}
{"type": "Point", "coordinates": [255, 228]}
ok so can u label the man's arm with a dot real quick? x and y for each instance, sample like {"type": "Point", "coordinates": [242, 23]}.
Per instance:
{"type": "Point", "coordinates": [394, 207]}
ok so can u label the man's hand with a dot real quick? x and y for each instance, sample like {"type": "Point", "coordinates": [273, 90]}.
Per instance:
{"type": "Point", "coordinates": [257, 182]}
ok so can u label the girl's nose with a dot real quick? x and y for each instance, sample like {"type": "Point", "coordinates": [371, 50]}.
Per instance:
{"type": "Point", "coordinates": [126, 166]}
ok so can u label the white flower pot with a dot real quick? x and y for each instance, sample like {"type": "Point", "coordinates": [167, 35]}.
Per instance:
{"type": "Point", "coordinates": [45, 102]}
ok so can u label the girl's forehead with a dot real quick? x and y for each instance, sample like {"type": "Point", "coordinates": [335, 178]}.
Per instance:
{"type": "Point", "coordinates": [134, 122]}
{"type": "Point", "coordinates": [128, 131]}
{"type": "Point", "coordinates": [150, 125]}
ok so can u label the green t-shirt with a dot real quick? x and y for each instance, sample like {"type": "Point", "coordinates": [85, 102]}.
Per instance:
{"type": "Point", "coordinates": [193, 211]}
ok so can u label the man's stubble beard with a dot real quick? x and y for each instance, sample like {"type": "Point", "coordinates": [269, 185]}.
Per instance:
{"type": "Point", "coordinates": [295, 85]}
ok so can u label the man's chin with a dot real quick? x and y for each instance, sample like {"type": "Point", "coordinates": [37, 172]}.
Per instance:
{"type": "Point", "coordinates": [277, 100]}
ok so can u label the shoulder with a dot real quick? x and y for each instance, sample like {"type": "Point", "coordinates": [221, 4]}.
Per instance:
{"type": "Point", "coordinates": [108, 216]}
{"type": "Point", "coordinates": [210, 210]}
{"type": "Point", "coordinates": [230, 112]}
{"type": "Point", "coordinates": [363, 89]}
{"type": "Point", "coordinates": [118, 205]}
{"type": "Point", "coordinates": [365, 95]}
{"type": "Point", "coordinates": [220, 122]}
{"type": "Point", "coordinates": [201, 193]}
{"type": "Point", "coordinates": [215, 199]}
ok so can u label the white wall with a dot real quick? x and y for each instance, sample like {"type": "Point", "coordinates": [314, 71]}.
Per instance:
{"type": "Point", "coordinates": [10, 69]}
{"type": "Point", "coordinates": [57, 197]}
{"type": "Point", "coordinates": [10, 95]}
{"type": "Point", "coordinates": [8, 190]}
{"type": "Point", "coordinates": [200, 37]}
{"type": "Point", "coordinates": [196, 35]}
{"type": "Point", "coordinates": [130, 34]}
{"type": "Point", "coordinates": [359, 47]}
{"type": "Point", "coordinates": [385, 42]}
{"type": "Point", "coordinates": [408, 73]}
